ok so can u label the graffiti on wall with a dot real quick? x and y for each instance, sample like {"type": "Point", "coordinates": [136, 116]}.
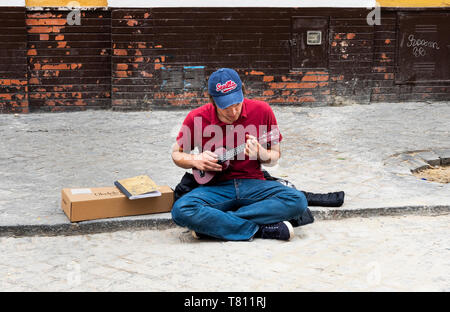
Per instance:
{"type": "Point", "coordinates": [419, 46]}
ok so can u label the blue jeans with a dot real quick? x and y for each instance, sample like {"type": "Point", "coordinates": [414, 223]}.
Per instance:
{"type": "Point", "coordinates": [234, 209]}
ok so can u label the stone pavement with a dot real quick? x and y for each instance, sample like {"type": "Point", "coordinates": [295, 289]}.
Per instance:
{"type": "Point", "coordinates": [365, 150]}
{"type": "Point", "coordinates": [389, 253]}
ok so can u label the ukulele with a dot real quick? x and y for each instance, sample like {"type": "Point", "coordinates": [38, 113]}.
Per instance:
{"type": "Point", "coordinates": [224, 157]}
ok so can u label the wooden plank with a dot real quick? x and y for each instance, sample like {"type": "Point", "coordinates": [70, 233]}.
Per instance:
{"type": "Point", "coordinates": [70, 73]}
{"type": "Point", "coordinates": [359, 57]}
{"type": "Point", "coordinates": [12, 53]}
{"type": "Point", "coordinates": [350, 36]}
{"type": "Point", "coordinates": [189, 22]}
{"type": "Point", "coordinates": [62, 44]}
{"type": "Point", "coordinates": [41, 103]}
{"type": "Point", "coordinates": [187, 44]}
{"type": "Point", "coordinates": [106, 37]}
{"type": "Point", "coordinates": [66, 109]}
{"type": "Point", "coordinates": [359, 21]}
{"type": "Point", "coordinates": [69, 88]}
{"type": "Point", "coordinates": [134, 88]}
{"type": "Point", "coordinates": [13, 60]}
{"type": "Point", "coordinates": [198, 13]}
{"type": "Point", "coordinates": [134, 81]}
{"type": "Point", "coordinates": [12, 89]}
{"type": "Point", "coordinates": [69, 52]}
{"type": "Point", "coordinates": [68, 29]}
{"type": "Point", "coordinates": [71, 81]}
{"type": "Point", "coordinates": [15, 46]}
{"type": "Point", "coordinates": [4, 23]}
{"type": "Point", "coordinates": [70, 59]}
{"type": "Point", "coordinates": [339, 50]}
{"type": "Point", "coordinates": [235, 58]}
{"type": "Point", "coordinates": [12, 75]}
{"type": "Point", "coordinates": [68, 95]}
{"type": "Point", "coordinates": [353, 29]}
{"type": "Point", "coordinates": [68, 66]}
{"type": "Point", "coordinates": [212, 51]}
{"type": "Point", "coordinates": [85, 14]}
{"type": "Point", "coordinates": [49, 21]}
{"type": "Point", "coordinates": [211, 37]}
{"type": "Point", "coordinates": [11, 9]}
{"type": "Point", "coordinates": [12, 31]}
{"type": "Point", "coordinates": [197, 30]}
{"type": "Point", "coordinates": [11, 15]}
{"type": "Point", "coordinates": [12, 39]}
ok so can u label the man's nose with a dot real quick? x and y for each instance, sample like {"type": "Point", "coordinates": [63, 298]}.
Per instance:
{"type": "Point", "coordinates": [234, 110]}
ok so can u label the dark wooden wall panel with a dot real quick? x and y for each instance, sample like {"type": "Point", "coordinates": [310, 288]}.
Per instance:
{"type": "Point", "coordinates": [153, 49]}
{"type": "Point", "coordinates": [131, 59]}
{"type": "Point", "coordinates": [13, 61]}
{"type": "Point", "coordinates": [351, 54]}
{"type": "Point", "coordinates": [386, 66]}
{"type": "Point", "coordinates": [134, 59]}
{"type": "Point", "coordinates": [384, 60]}
{"type": "Point", "coordinates": [69, 66]}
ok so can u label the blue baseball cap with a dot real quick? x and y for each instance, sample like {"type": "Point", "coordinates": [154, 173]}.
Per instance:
{"type": "Point", "coordinates": [225, 87]}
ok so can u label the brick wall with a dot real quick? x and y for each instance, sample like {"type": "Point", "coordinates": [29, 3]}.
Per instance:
{"type": "Point", "coordinates": [69, 66]}
{"type": "Point", "coordinates": [351, 54]}
{"type": "Point", "coordinates": [135, 59]}
{"type": "Point", "coordinates": [156, 53]}
{"type": "Point", "coordinates": [131, 59]}
{"type": "Point", "coordinates": [13, 62]}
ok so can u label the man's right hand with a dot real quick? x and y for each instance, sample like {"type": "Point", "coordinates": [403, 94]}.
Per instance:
{"type": "Point", "coordinates": [207, 161]}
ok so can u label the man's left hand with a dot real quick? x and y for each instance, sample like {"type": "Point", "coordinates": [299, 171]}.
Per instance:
{"type": "Point", "coordinates": [253, 149]}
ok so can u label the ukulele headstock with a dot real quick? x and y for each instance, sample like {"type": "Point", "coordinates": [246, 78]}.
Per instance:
{"type": "Point", "coordinates": [270, 137]}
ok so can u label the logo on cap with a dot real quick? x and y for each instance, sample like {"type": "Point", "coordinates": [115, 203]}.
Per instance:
{"type": "Point", "coordinates": [226, 87]}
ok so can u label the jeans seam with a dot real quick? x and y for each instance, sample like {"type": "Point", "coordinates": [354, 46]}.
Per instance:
{"type": "Point", "coordinates": [257, 199]}
{"type": "Point", "coordinates": [284, 216]}
{"type": "Point", "coordinates": [236, 186]}
{"type": "Point", "coordinates": [212, 205]}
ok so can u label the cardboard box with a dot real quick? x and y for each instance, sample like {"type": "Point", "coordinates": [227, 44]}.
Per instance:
{"type": "Point", "coordinates": [110, 202]}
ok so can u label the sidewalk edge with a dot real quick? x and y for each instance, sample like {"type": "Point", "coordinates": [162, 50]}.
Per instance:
{"type": "Point", "coordinates": [104, 226]}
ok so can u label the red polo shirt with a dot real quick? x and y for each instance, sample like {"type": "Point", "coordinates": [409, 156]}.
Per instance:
{"type": "Point", "coordinates": [203, 129]}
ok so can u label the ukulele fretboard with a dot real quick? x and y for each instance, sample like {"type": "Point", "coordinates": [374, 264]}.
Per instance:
{"type": "Point", "coordinates": [233, 152]}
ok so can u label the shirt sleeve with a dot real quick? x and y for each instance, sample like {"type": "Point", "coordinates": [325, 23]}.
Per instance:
{"type": "Point", "coordinates": [185, 138]}
{"type": "Point", "coordinates": [272, 125]}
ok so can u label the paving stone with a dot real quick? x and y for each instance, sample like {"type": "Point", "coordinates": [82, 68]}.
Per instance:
{"type": "Point", "coordinates": [430, 157]}
{"type": "Point", "coordinates": [354, 254]}
{"type": "Point", "coordinates": [444, 155]}
{"type": "Point", "coordinates": [414, 163]}
{"type": "Point", "coordinates": [324, 149]}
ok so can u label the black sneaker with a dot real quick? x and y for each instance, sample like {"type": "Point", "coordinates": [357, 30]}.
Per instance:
{"type": "Point", "coordinates": [281, 230]}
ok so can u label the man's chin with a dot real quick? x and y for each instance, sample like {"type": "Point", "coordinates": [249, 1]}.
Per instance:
{"type": "Point", "coordinates": [229, 120]}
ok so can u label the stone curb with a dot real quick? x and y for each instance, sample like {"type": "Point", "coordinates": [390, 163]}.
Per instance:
{"type": "Point", "coordinates": [104, 226]}
{"type": "Point", "coordinates": [416, 161]}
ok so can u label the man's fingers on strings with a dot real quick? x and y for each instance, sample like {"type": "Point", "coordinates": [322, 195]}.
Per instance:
{"type": "Point", "coordinates": [213, 155]}
{"type": "Point", "coordinates": [213, 167]}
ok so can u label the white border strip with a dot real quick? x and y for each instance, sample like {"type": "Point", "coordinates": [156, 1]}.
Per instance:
{"type": "Point", "coordinates": [243, 3]}
{"type": "Point", "coordinates": [12, 3]}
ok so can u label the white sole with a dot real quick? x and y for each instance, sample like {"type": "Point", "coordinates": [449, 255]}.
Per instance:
{"type": "Point", "coordinates": [194, 235]}
{"type": "Point", "coordinates": [291, 229]}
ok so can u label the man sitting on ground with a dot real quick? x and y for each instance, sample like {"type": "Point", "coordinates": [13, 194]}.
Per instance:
{"type": "Point", "coordinates": [239, 204]}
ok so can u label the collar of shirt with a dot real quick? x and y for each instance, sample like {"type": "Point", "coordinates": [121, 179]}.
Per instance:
{"type": "Point", "coordinates": [216, 121]}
